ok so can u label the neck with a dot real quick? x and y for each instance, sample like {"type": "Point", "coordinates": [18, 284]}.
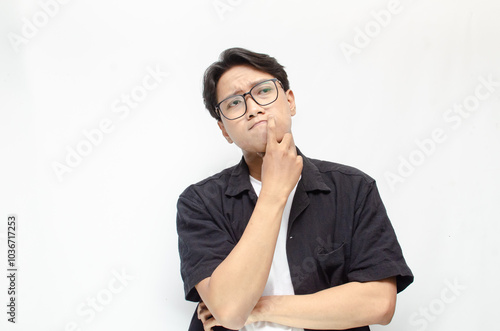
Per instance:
{"type": "Point", "coordinates": [254, 163]}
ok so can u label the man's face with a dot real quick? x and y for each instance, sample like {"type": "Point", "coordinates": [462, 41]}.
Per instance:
{"type": "Point", "coordinates": [249, 132]}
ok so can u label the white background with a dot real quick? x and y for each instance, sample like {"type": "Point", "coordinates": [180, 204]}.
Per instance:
{"type": "Point", "coordinates": [113, 212]}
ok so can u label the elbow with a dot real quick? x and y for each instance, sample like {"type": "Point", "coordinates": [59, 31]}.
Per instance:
{"type": "Point", "coordinates": [230, 317]}
{"type": "Point", "coordinates": [233, 323]}
{"type": "Point", "coordinates": [231, 314]}
{"type": "Point", "coordinates": [386, 312]}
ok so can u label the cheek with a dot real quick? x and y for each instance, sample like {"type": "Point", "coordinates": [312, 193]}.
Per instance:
{"type": "Point", "coordinates": [234, 133]}
{"type": "Point", "coordinates": [286, 125]}
{"type": "Point", "coordinates": [231, 131]}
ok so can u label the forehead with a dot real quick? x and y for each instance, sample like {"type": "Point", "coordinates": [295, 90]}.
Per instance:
{"type": "Point", "coordinates": [239, 79]}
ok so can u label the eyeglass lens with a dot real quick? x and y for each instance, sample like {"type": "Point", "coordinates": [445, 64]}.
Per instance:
{"type": "Point", "coordinates": [263, 93]}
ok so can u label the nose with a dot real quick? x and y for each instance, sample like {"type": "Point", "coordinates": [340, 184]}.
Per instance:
{"type": "Point", "coordinates": [253, 108]}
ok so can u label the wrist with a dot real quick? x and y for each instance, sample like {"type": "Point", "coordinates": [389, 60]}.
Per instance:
{"type": "Point", "coordinates": [264, 309]}
{"type": "Point", "coordinates": [274, 198]}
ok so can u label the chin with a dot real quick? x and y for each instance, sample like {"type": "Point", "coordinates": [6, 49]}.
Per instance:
{"type": "Point", "coordinates": [254, 149]}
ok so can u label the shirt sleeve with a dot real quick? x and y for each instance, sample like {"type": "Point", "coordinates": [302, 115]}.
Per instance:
{"type": "Point", "coordinates": [375, 251]}
{"type": "Point", "coordinates": [204, 241]}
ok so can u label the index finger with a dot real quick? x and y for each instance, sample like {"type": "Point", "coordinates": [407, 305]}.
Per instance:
{"type": "Point", "coordinates": [271, 130]}
{"type": "Point", "coordinates": [201, 307]}
{"type": "Point", "coordinates": [210, 323]}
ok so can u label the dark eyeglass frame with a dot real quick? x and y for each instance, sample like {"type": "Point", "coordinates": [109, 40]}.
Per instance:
{"type": "Point", "coordinates": [274, 80]}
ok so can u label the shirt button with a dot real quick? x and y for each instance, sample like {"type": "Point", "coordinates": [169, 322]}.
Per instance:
{"type": "Point", "coordinates": [291, 237]}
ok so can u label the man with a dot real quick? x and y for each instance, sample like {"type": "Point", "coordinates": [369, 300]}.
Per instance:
{"type": "Point", "coordinates": [281, 241]}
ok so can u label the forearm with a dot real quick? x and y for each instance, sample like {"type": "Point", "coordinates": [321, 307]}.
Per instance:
{"type": "Point", "coordinates": [342, 307]}
{"type": "Point", "coordinates": [237, 283]}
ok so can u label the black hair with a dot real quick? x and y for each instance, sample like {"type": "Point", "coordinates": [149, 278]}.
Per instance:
{"type": "Point", "coordinates": [238, 56]}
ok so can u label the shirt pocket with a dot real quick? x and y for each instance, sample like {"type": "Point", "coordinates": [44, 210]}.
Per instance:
{"type": "Point", "coordinates": [332, 262]}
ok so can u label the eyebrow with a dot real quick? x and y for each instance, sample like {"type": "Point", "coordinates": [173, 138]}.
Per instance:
{"type": "Point", "coordinates": [240, 91]}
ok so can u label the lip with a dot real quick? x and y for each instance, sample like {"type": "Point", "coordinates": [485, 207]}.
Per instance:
{"type": "Point", "coordinates": [258, 123]}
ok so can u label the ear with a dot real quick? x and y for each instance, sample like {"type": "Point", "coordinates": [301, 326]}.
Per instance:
{"type": "Point", "coordinates": [224, 132]}
{"type": "Point", "coordinates": [291, 102]}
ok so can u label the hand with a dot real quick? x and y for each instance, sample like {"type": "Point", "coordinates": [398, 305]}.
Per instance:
{"type": "Point", "coordinates": [206, 317]}
{"type": "Point", "coordinates": [263, 306]}
{"type": "Point", "coordinates": [281, 167]}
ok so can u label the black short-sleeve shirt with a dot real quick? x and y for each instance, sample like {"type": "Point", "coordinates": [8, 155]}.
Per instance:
{"type": "Point", "coordinates": [338, 231]}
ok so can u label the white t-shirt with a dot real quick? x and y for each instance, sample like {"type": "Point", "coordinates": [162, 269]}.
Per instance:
{"type": "Point", "coordinates": [279, 281]}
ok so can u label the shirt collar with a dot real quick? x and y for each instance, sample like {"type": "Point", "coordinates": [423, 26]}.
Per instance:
{"type": "Point", "coordinates": [240, 182]}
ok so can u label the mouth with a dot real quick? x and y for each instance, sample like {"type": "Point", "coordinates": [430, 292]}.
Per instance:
{"type": "Point", "coordinates": [259, 123]}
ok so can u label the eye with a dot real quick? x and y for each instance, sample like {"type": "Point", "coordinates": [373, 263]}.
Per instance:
{"type": "Point", "coordinates": [265, 89]}
{"type": "Point", "coordinates": [233, 103]}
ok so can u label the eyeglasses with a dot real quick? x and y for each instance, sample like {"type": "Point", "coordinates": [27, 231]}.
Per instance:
{"type": "Point", "coordinates": [263, 94]}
